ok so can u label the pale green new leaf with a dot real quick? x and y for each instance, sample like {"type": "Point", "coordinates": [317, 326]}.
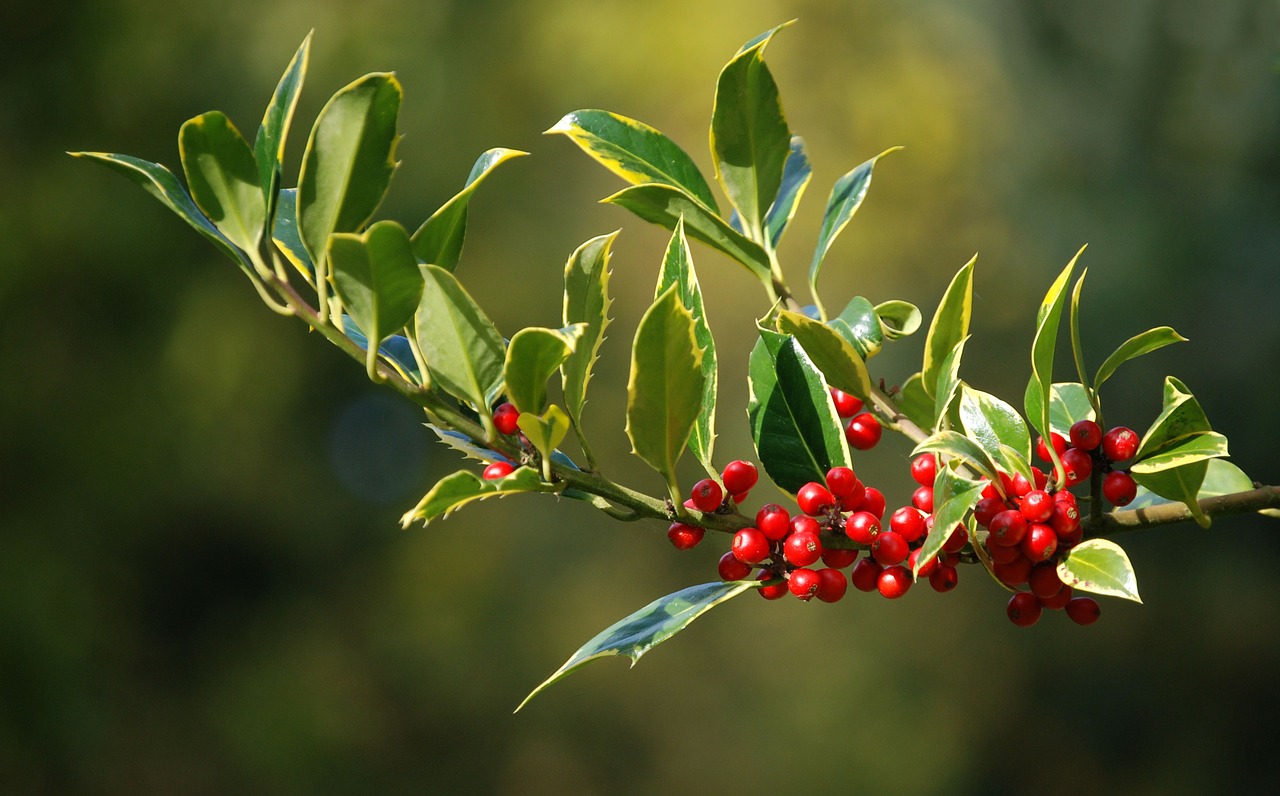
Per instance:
{"type": "Point", "coordinates": [463, 350]}
{"type": "Point", "coordinates": [949, 326]}
{"type": "Point", "coordinates": [1134, 347]}
{"type": "Point", "coordinates": [898, 319]}
{"type": "Point", "coordinates": [533, 356]}
{"type": "Point", "coordinates": [1048, 318]}
{"type": "Point", "coordinates": [268, 145]}
{"type": "Point", "coordinates": [223, 178]}
{"type": "Point", "coordinates": [455, 491]}
{"type": "Point", "coordinates": [1100, 566]}
{"type": "Point", "coordinates": [586, 300]}
{"type": "Point", "coordinates": [545, 433]}
{"type": "Point", "coordinates": [839, 362]}
{"type": "Point", "coordinates": [650, 626]}
{"type": "Point", "coordinates": [439, 240]}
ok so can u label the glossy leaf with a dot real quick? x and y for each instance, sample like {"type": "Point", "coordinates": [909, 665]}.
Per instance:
{"type": "Point", "coordinates": [439, 240]}
{"type": "Point", "coordinates": [1221, 478]}
{"type": "Point", "coordinates": [1180, 417]}
{"type": "Point", "coordinates": [1068, 403]}
{"type": "Point", "coordinates": [677, 269]}
{"type": "Point", "coordinates": [287, 237]}
{"type": "Point", "coordinates": [860, 325]}
{"type": "Point", "coordinates": [839, 362]}
{"type": "Point", "coordinates": [635, 152]}
{"type": "Point", "coordinates": [268, 145]}
{"type": "Point", "coordinates": [1077, 350]}
{"type": "Point", "coordinates": [1100, 566]}
{"type": "Point", "coordinates": [913, 402]}
{"type": "Point", "coordinates": [1048, 318]}
{"type": "Point", "coordinates": [223, 178]}
{"type": "Point", "coordinates": [586, 300]}
{"type": "Point", "coordinates": [1134, 347]}
{"type": "Point", "coordinates": [666, 205]}
{"type": "Point", "coordinates": [948, 386]}
{"type": "Point", "coordinates": [845, 199]}
{"type": "Point", "coordinates": [1194, 448]}
{"type": "Point", "coordinates": [377, 278]}
{"type": "Point", "coordinates": [545, 432]}
{"type": "Point", "coordinates": [953, 497]}
{"type": "Point", "coordinates": [455, 491]}
{"type": "Point", "coordinates": [796, 172]}
{"type": "Point", "coordinates": [348, 163]}
{"type": "Point", "coordinates": [160, 183]}
{"type": "Point", "coordinates": [645, 629]}
{"type": "Point", "coordinates": [750, 139]}
{"type": "Point", "coordinates": [955, 444]}
{"type": "Point", "coordinates": [995, 425]}
{"type": "Point", "coordinates": [797, 433]}
{"type": "Point", "coordinates": [949, 326]}
{"type": "Point", "coordinates": [898, 319]}
{"type": "Point", "coordinates": [463, 350]}
{"type": "Point", "coordinates": [1180, 484]}
{"type": "Point", "coordinates": [664, 392]}
{"type": "Point", "coordinates": [533, 357]}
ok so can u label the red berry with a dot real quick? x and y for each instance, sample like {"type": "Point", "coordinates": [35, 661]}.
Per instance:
{"type": "Point", "coordinates": [1065, 519]}
{"type": "Point", "coordinates": [838, 558]}
{"type": "Point", "coordinates": [841, 481]}
{"type": "Point", "coordinates": [1085, 435]}
{"type": "Point", "coordinates": [774, 591]}
{"type": "Point", "coordinates": [1077, 465]}
{"type": "Point", "coordinates": [707, 495]}
{"type": "Point", "coordinates": [1040, 543]}
{"type": "Point", "coordinates": [862, 527]}
{"type": "Point", "coordinates": [740, 497]}
{"type": "Point", "coordinates": [986, 509]}
{"type": "Point", "coordinates": [865, 574]}
{"type": "Point", "coordinates": [1083, 610]}
{"type": "Point", "coordinates": [1021, 486]}
{"type": "Point", "coordinates": [1024, 609]}
{"type": "Point", "coordinates": [846, 405]}
{"type": "Point", "coordinates": [1063, 496]}
{"type": "Point", "coordinates": [683, 536]}
{"type": "Point", "coordinates": [944, 578]}
{"type": "Point", "coordinates": [1059, 443]}
{"type": "Point", "coordinates": [872, 501]}
{"type": "Point", "coordinates": [927, 568]}
{"type": "Point", "coordinates": [730, 568]}
{"type": "Point", "coordinates": [1119, 488]}
{"type": "Point", "coordinates": [804, 524]}
{"type": "Point", "coordinates": [832, 585]}
{"type": "Point", "coordinates": [803, 583]}
{"type": "Point", "coordinates": [739, 476]}
{"type": "Point", "coordinates": [894, 582]}
{"type": "Point", "coordinates": [1037, 506]}
{"type": "Point", "coordinates": [1069, 540]}
{"type": "Point", "coordinates": [1003, 555]}
{"type": "Point", "coordinates": [1120, 444]}
{"type": "Point", "coordinates": [750, 546]}
{"type": "Point", "coordinates": [1058, 601]}
{"type": "Point", "coordinates": [922, 499]}
{"type": "Point", "coordinates": [1007, 528]}
{"type": "Point", "coordinates": [924, 468]}
{"type": "Point", "coordinates": [802, 549]}
{"type": "Point", "coordinates": [957, 540]}
{"type": "Point", "coordinates": [890, 548]}
{"type": "Point", "coordinates": [1015, 573]}
{"type": "Point", "coordinates": [813, 499]}
{"type": "Point", "coordinates": [908, 523]}
{"type": "Point", "coordinates": [498, 470]}
{"type": "Point", "coordinates": [1044, 581]}
{"type": "Point", "coordinates": [773, 521]}
{"type": "Point", "coordinates": [505, 419]}
{"type": "Point", "coordinates": [863, 432]}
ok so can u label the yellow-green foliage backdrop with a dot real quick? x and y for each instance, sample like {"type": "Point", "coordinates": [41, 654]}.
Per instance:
{"type": "Point", "coordinates": [203, 584]}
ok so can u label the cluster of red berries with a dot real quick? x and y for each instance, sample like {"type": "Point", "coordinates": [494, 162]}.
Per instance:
{"type": "Point", "coordinates": [862, 431]}
{"type": "Point", "coordinates": [1031, 525]}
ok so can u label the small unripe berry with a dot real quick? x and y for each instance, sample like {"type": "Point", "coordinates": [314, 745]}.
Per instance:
{"type": "Point", "coordinates": [894, 582]}
{"type": "Point", "coordinates": [813, 499]}
{"type": "Point", "coordinates": [498, 470]}
{"type": "Point", "coordinates": [846, 405]}
{"type": "Point", "coordinates": [872, 502]}
{"type": "Point", "coordinates": [739, 476]}
{"type": "Point", "coordinates": [862, 527]}
{"type": "Point", "coordinates": [841, 481]}
{"type": "Point", "coordinates": [1083, 610]}
{"type": "Point", "coordinates": [863, 432]}
{"type": "Point", "coordinates": [832, 585]}
{"type": "Point", "coordinates": [1119, 488]}
{"type": "Point", "coordinates": [1037, 506]}
{"type": "Point", "coordinates": [1040, 543]}
{"type": "Point", "coordinates": [730, 568]}
{"type": "Point", "coordinates": [908, 523]}
{"type": "Point", "coordinates": [774, 591]}
{"type": "Point", "coordinates": [890, 548]}
{"type": "Point", "coordinates": [683, 536]}
{"type": "Point", "coordinates": [1085, 435]}
{"type": "Point", "coordinates": [1007, 528]}
{"type": "Point", "coordinates": [750, 546]}
{"type": "Point", "coordinates": [838, 558]}
{"type": "Point", "coordinates": [924, 468]}
{"type": "Point", "coordinates": [1059, 443]}
{"type": "Point", "coordinates": [505, 418]}
{"type": "Point", "coordinates": [773, 521]}
{"type": "Point", "coordinates": [802, 549]}
{"type": "Point", "coordinates": [803, 583]}
{"type": "Point", "coordinates": [865, 574]}
{"type": "Point", "coordinates": [1120, 444]}
{"type": "Point", "coordinates": [1077, 466]}
{"type": "Point", "coordinates": [944, 578]}
{"type": "Point", "coordinates": [1024, 609]}
{"type": "Point", "coordinates": [922, 499]}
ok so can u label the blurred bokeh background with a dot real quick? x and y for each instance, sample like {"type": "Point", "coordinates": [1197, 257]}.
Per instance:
{"type": "Point", "coordinates": [203, 584]}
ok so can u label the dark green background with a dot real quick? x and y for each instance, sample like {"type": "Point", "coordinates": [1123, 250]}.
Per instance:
{"type": "Point", "coordinates": [203, 584]}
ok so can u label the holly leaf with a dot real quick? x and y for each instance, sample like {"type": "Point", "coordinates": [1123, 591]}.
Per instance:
{"type": "Point", "coordinates": [268, 145]}
{"type": "Point", "coordinates": [586, 300]}
{"type": "Point", "coordinates": [1134, 347]}
{"type": "Point", "coordinates": [996, 426]}
{"type": "Point", "coordinates": [1068, 403]}
{"type": "Point", "coordinates": [455, 491]}
{"type": "Point", "coordinates": [461, 346]}
{"type": "Point", "coordinates": [898, 319]}
{"type": "Point", "coordinates": [949, 326]}
{"type": "Point", "coordinates": [796, 172]}
{"type": "Point", "coordinates": [1048, 318]}
{"type": "Point", "coordinates": [533, 356]}
{"type": "Point", "coordinates": [439, 240]}
{"type": "Point", "coordinates": [953, 497]}
{"type": "Point", "coordinates": [223, 178]}
{"type": "Point", "coordinates": [1100, 566]}
{"type": "Point", "coordinates": [840, 363]}
{"type": "Point", "coordinates": [860, 325]}
{"type": "Point", "coordinates": [286, 235]}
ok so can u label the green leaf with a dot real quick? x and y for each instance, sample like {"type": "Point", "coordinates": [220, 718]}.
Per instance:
{"type": "Point", "coordinates": [1195, 448]}
{"type": "Point", "coordinates": [949, 326]}
{"type": "Point", "coordinates": [953, 443]}
{"type": "Point", "coordinates": [463, 350]}
{"type": "Point", "coordinates": [664, 392]}
{"type": "Point", "coordinates": [1134, 347]}
{"type": "Point", "coordinates": [915, 404]}
{"type": "Point", "coordinates": [650, 626]}
{"type": "Point", "coordinates": [839, 362]}
{"type": "Point", "coordinates": [586, 300]}
{"type": "Point", "coordinates": [223, 178]}
{"type": "Point", "coordinates": [948, 385]}
{"type": "Point", "coordinates": [665, 205]}
{"type": "Point", "coordinates": [750, 139]}
{"type": "Point", "coordinates": [160, 183]}
{"type": "Point", "coordinates": [797, 433]}
{"type": "Point", "coordinates": [677, 269]}
{"type": "Point", "coordinates": [953, 497]}
{"type": "Point", "coordinates": [533, 356]}
{"type": "Point", "coordinates": [396, 349]}
{"type": "Point", "coordinates": [1100, 566]}
{"type": "Point", "coordinates": [635, 152]}
{"type": "Point", "coordinates": [455, 491]}
{"type": "Point", "coordinates": [898, 319]}
{"type": "Point", "coordinates": [995, 425]}
{"type": "Point", "coordinates": [377, 278]}
{"type": "Point", "coordinates": [1068, 403]}
{"type": "Point", "coordinates": [268, 145]}
{"type": "Point", "coordinates": [796, 172]}
{"type": "Point", "coordinates": [859, 324]}
{"type": "Point", "coordinates": [1181, 417]}
{"type": "Point", "coordinates": [1180, 484]}
{"type": "Point", "coordinates": [287, 237]}
{"type": "Point", "coordinates": [1077, 350]}
{"type": "Point", "coordinates": [439, 240]}
{"type": "Point", "coordinates": [545, 433]}
{"type": "Point", "coordinates": [348, 163]}
{"type": "Point", "coordinates": [1221, 478]}
{"type": "Point", "coordinates": [1048, 318]}
{"type": "Point", "coordinates": [845, 199]}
